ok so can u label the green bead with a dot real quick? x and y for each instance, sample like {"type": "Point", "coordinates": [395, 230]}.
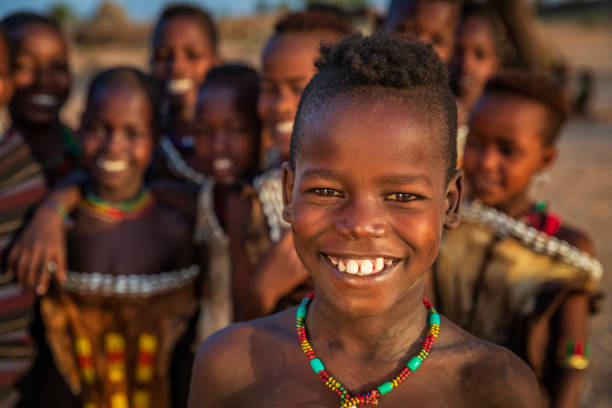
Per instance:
{"type": "Point", "coordinates": [385, 388]}
{"type": "Point", "coordinates": [434, 318]}
{"type": "Point", "coordinates": [541, 205]}
{"type": "Point", "coordinates": [414, 363]}
{"type": "Point", "coordinates": [317, 365]}
{"type": "Point", "coordinates": [301, 312]}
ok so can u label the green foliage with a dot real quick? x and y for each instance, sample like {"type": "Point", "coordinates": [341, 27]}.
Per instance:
{"type": "Point", "coordinates": [62, 14]}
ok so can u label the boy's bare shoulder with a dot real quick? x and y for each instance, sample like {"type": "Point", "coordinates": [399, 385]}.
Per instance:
{"type": "Point", "coordinates": [488, 375]}
{"type": "Point", "coordinates": [227, 361]}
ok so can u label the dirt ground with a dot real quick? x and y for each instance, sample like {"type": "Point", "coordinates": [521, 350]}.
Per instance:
{"type": "Point", "coordinates": [579, 186]}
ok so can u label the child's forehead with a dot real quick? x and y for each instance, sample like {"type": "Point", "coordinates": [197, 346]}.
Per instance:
{"type": "Point", "coordinates": [382, 128]}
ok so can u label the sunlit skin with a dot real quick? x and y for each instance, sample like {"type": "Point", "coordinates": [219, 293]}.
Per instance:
{"type": "Point", "coordinates": [117, 132]}
{"type": "Point", "coordinates": [474, 61]}
{"type": "Point", "coordinates": [181, 50]}
{"type": "Point", "coordinates": [362, 328]}
{"type": "Point", "coordinates": [505, 150]}
{"type": "Point", "coordinates": [117, 126]}
{"type": "Point", "coordinates": [6, 83]}
{"type": "Point", "coordinates": [42, 83]}
{"type": "Point", "coordinates": [287, 67]}
{"type": "Point", "coordinates": [430, 21]}
{"type": "Point", "coordinates": [225, 135]}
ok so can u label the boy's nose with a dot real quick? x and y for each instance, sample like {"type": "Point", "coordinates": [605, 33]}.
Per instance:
{"type": "Point", "coordinates": [489, 158]}
{"type": "Point", "coordinates": [284, 101]}
{"type": "Point", "coordinates": [220, 142]}
{"type": "Point", "coordinates": [358, 220]}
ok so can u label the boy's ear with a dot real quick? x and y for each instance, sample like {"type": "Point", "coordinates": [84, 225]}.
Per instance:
{"type": "Point", "coordinates": [549, 156]}
{"type": "Point", "coordinates": [454, 197]}
{"type": "Point", "coordinates": [288, 180]}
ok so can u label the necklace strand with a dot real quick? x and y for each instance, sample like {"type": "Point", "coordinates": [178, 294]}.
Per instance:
{"type": "Point", "coordinates": [347, 398]}
{"type": "Point", "coordinates": [115, 212]}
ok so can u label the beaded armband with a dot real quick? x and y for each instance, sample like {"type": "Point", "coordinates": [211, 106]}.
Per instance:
{"type": "Point", "coordinates": [574, 354]}
{"type": "Point", "coordinates": [60, 209]}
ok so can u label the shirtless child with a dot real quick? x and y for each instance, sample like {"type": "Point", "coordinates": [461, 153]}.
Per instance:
{"type": "Point", "coordinates": [370, 188]}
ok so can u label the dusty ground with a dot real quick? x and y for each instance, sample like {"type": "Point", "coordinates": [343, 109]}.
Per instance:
{"type": "Point", "coordinates": [580, 185]}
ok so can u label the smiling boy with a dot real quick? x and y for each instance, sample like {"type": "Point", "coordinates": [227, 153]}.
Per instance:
{"type": "Point", "coordinates": [370, 188]}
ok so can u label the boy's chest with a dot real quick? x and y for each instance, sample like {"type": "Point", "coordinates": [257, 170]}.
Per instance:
{"type": "Point", "coordinates": [133, 248]}
{"type": "Point", "coordinates": [298, 386]}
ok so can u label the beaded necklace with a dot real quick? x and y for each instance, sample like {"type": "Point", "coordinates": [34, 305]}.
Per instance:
{"type": "Point", "coordinates": [347, 398]}
{"type": "Point", "coordinates": [116, 212]}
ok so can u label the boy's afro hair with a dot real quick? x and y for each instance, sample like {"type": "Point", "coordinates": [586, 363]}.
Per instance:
{"type": "Point", "coordinates": [198, 14]}
{"type": "Point", "coordinates": [538, 88]}
{"type": "Point", "coordinates": [130, 77]}
{"type": "Point", "coordinates": [313, 20]}
{"type": "Point", "coordinates": [383, 66]}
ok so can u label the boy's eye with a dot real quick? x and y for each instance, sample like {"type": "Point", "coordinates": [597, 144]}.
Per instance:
{"type": "Point", "coordinates": [401, 197]}
{"type": "Point", "coordinates": [325, 192]}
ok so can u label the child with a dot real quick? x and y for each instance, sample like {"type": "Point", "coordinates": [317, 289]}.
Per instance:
{"type": "Point", "coordinates": [514, 274]}
{"type": "Point", "coordinates": [367, 234]}
{"type": "Point", "coordinates": [42, 83]}
{"type": "Point", "coordinates": [481, 48]}
{"type": "Point", "coordinates": [184, 49]}
{"type": "Point", "coordinates": [22, 187]}
{"type": "Point", "coordinates": [226, 123]}
{"type": "Point", "coordinates": [431, 21]}
{"type": "Point", "coordinates": [260, 250]}
{"type": "Point", "coordinates": [226, 120]}
{"type": "Point", "coordinates": [113, 323]}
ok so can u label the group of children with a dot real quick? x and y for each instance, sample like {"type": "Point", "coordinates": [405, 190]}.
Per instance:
{"type": "Point", "coordinates": [209, 193]}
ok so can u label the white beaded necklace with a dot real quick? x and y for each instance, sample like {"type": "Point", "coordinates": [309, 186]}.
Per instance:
{"type": "Point", "coordinates": [505, 226]}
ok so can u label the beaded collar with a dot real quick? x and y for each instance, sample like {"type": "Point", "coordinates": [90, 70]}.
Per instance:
{"type": "Point", "coordinates": [128, 285]}
{"type": "Point", "coordinates": [347, 398]}
{"type": "Point", "coordinates": [270, 194]}
{"type": "Point", "coordinates": [506, 226]}
{"type": "Point", "coordinates": [177, 165]}
{"type": "Point", "coordinates": [117, 212]}
{"type": "Point", "coordinates": [208, 225]}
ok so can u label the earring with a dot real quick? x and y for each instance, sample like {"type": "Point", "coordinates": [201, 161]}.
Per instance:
{"type": "Point", "coordinates": [537, 186]}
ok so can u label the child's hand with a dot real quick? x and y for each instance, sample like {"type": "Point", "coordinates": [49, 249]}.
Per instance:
{"type": "Point", "coordinates": [281, 271]}
{"type": "Point", "coordinates": [40, 252]}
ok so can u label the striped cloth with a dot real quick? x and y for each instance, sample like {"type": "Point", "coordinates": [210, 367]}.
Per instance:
{"type": "Point", "coordinates": [22, 186]}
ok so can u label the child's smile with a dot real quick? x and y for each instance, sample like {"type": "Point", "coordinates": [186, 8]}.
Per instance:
{"type": "Point", "coordinates": [117, 140]}
{"type": "Point", "coordinates": [367, 217]}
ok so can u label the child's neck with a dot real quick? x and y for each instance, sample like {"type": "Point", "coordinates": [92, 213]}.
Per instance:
{"type": "Point", "coordinates": [515, 207]}
{"type": "Point", "coordinates": [384, 337]}
{"type": "Point", "coordinates": [118, 195]}
{"type": "Point", "coordinates": [46, 140]}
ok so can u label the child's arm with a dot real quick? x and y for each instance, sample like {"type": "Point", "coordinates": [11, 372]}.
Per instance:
{"type": "Point", "coordinates": [40, 250]}
{"type": "Point", "coordinates": [267, 287]}
{"type": "Point", "coordinates": [238, 209]}
{"type": "Point", "coordinates": [572, 329]}
{"type": "Point", "coordinates": [256, 291]}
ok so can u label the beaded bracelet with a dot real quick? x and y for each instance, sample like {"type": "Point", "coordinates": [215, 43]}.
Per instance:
{"type": "Point", "coordinates": [59, 208]}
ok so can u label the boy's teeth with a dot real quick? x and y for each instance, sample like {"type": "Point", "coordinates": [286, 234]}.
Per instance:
{"type": "Point", "coordinates": [360, 267]}
{"type": "Point", "coordinates": [179, 86]}
{"type": "Point", "coordinates": [352, 267]}
{"type": "Point", "coordinates": [222, 164]}
{"type": "Point", "coordinates": [44, 99]}
{"type": "Point", "coordinates": [284, 127]}
{"type": "Point", "coordinates": [112, 165]}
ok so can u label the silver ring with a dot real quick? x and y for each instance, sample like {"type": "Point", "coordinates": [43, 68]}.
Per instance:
{"type": "Point", "coordinates": [52, 266]}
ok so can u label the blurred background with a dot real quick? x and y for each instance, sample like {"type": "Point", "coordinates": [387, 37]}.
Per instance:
{"type": "Point", "coordinates": [107, 33]}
